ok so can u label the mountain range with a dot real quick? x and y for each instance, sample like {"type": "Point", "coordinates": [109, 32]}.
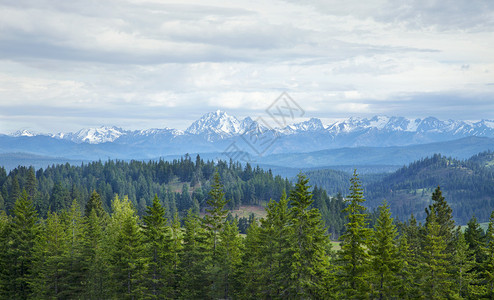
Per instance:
{"type": "Point", "coordinates": [219, 133]}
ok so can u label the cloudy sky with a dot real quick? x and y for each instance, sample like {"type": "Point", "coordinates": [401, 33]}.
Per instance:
{"type": "Point", "coordinates": [65, 65]}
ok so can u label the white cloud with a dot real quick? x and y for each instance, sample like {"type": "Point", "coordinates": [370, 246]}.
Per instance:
{"type": "Point", "coordinates": [148, 63]}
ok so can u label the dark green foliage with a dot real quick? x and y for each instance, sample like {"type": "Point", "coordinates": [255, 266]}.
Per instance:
{"type": "Point", "coordinates": [195, 260]}
{"type": "Point", "coordinates": [309, 249]}
{"type": "Point", "coordinates": [434, 280]}
{"type": "Point", "coordinates": [353, 257]}
{"type": "Point", "coordinates": [95, 204]}
{"type": "Point", "coordinates": [18, 260]}
{"type": "Point", "coordinates": [285, 255]}
{"type": "Point", "coordinates": [443, 214]}
{"type": "Point", "coordinates": [385, 256]}
{"type": "Point", "coordinates": [463, 272]}
{"type": "Point", "coordinates": [216, 212]}
{"type": "Point", "coordinates": [126, 251]}
{"type": "Point", "coordinates": [158, 242]}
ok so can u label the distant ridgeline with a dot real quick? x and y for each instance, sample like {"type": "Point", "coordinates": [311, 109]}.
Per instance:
{"type": "Point", "coordinates": [181, 185]}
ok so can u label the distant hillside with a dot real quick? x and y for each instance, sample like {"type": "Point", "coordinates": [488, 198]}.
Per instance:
{"type": "Point", "coordinates": [461, 149]}
{"type": "Point", "coordinates": [13, 160]}
{"type": "Point", "coordinates": [468, 186]}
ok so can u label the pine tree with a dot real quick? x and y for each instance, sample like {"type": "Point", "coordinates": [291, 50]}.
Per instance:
{"type": "Point", "coordinates": [353, 256]}
{"type": "Point", "coordinates": [195, 260]}
{"type": "Point", "coordinates": [73, 222]}
{"type": "Point", "coordinates": [173, 257]}
{"type": "Point", "coordinates": [475, 239]}
{"type": "Point", "coordinates": [126, 252]}
{"type": "Point", "coordinates": [310, 258]}
{"type": "Point", "coordinates": [31, 184]}
{"type": "Point", "coordinates": [216, 213]}
{"type": "Point", "coordinates": [22, 234]}
{"type": "Point", "coordinates": [462, 264]}
{"type": "Point", "coordinates": [406, 270]}
{"type": "Point", "coordinates": [443, 216]}
{"type": "Point", "coordinates": [4, 247]}
{"type": "Point", "coordinates": [384, 255]}
{"type": "Point", "coordinates": [49, 268]}
{"type": "Point", "coordinates": [95, 204]}
{"type": "Point", "coordinates": [251, 275]}
{"type": "Point", "coordinates": [275, 237]}
{"type": "Point", "coordinates": [412, 233]}
{"type": "Point", "coordinates": [229, 255]}
{"type": "Point", "coordinates": [488, 264]}
{"type": "Point", "coordinates": [94, 258]}
{"type": "Point", "coordinates": [157, 240]}
{"type": "Point", "coordinates": [435, 282]}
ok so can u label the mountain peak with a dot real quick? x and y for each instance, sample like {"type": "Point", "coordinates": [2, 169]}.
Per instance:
{"type": "Point", "coordinates": [24, 132]}
{"type": "Point", "coordinates": [215, 123]}
{"type": "Point", "coordinates": [97, 135]}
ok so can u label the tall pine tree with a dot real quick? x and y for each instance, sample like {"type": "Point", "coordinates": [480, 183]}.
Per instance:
{"type": "Point", "coordinates": [353, 256]}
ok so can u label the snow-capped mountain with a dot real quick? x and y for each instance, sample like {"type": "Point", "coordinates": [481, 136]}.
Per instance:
{"type": "Point", "coordinates": [311, 125]}
{"type": "Point", "coordinates": [98, 135]}
{"type": "Point", "coordinates": [217, 123]}
{"type": "Point", "coordinates": [217, 131]}
{"type": "Point", "coordinates": [24, 132]}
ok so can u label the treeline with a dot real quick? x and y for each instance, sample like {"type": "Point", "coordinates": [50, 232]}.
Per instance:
{"type": "Point", "coordinates": [91, 254]}
{"type": "Point", "coordinates": [181, 184]}
{"type": "Point", "coordinates": [467, 185]}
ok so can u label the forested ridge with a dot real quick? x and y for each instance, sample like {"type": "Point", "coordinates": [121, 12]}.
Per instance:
{"type": "Point", "coordinates": [468, 185]}
{"type": "Point", "coordinates": [91, 254]}
{"type": "Point", "coordinates": [181, 184]}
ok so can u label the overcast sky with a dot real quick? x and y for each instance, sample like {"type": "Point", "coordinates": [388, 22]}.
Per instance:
{"type": "Point", "coordinates": [65, 65]}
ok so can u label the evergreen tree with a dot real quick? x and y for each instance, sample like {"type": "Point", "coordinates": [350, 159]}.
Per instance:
{"type": "Point", "coordinates": [310, 264]}
{"type": "Point", "coordinates": [173, 257]}
{"type": "Point", "coordinates": [384, 256]}
{"type": "Point", "coordinates": [95, 204]}
{"type": "Point", "coordinates": [412, 233]}
{"type": "Point", "coordinates": [353, 256]}
{"type": "Point", "coordinates": [216, 213]}
{"type": "Point", "coordinates": [406, 270]}
{"type": "Point", "coordinates": [126, 252]}
{"type": "Point", "coordinates": [15, 193]}
{"type": "Point", "coordinates": [443, 216]}
{"type": "Point", "coordinates": [434, 282]}
{"type": "Point", "coordinates": [251, 276]}
{"type": "Point", "coordinates": [157, 239]}
{"type": "Point", "coordinates": [276, 251]}
{"type": "Point", "coordinates": [73, 224]}
{"type": "Point", "coordinates": [229, 255]}
{"type": "Point", "coordinates": [23, 231]}
{"type": "Point", "coordinates": [195, 260]}
{"type": "Point", "coordinates": [4, 247]}
{"type": "Point", "coordinates": [475, 239]}
{"type": "Point", "coordinates": [462, 264]}
{"type": "Point", "coordinates": [49, 269]}
{"type": "Point", "coordinates": [31, 184]}
{"type": "Point", "coordinates": [94, 254]}
{"type": "Point", "coordinates": [488, 264]}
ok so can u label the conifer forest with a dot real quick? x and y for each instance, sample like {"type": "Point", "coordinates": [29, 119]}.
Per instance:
{"type": "Point", "coordinates": [164, 230]}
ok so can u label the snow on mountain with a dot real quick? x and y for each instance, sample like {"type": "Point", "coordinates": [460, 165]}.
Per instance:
{"type": "Point", "coordinates": [158, 131]}
{"type": "Point", "coordinates": [24, 132]}
{"type": "Point", "coordinates": [311, 125]}
{"type": "Point", "coordinates": [99, 135]}
{"type": "Point", "coordinates": [216, 125]}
